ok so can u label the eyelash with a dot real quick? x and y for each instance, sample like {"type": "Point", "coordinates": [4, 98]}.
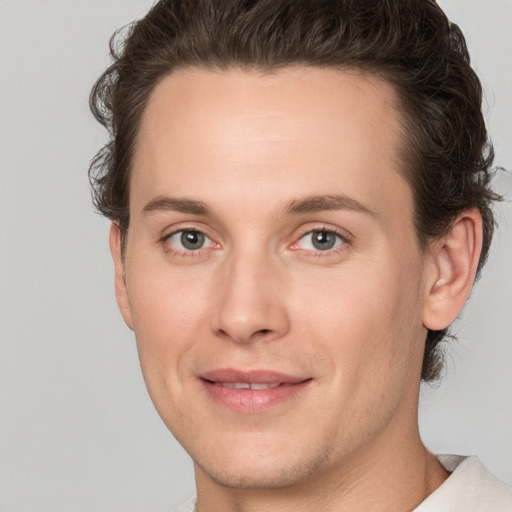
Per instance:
{"type": "Point", "coordinates": [343, 238]}
{"type": "Point", "coordinates": [169, 248]}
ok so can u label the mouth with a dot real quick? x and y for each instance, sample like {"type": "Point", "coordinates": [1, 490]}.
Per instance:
{"type": "Point", "coordinates": [253, 391]}
{"type": "Point", "coordinates": [247, 385]}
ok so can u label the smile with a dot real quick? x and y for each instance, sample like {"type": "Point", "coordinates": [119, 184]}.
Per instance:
{"type": "Point", "coordinates": [254, 391]}
{"type": "Point", "coordinates": [247, 385]}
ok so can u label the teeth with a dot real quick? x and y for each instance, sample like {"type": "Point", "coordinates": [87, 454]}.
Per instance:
{"type": "Point", "coordinates": [265, 386]}
{"type": "Point", "coordinates": [235, 385]}
{"type": "Point", "coordinates": [246, 385]}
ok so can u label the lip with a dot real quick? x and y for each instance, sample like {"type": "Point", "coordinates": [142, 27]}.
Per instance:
{"type": "Point", "coordinates": [285, 388]}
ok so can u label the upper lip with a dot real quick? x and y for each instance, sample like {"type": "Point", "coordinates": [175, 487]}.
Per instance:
{"type": "Point", "coordinates": [250, 376]}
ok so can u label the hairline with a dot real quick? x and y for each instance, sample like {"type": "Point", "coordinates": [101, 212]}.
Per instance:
{"type": "Point", "coordinates": [404, 137]}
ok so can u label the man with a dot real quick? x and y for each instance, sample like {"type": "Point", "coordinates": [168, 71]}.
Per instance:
{"type": "Point", "coordinates": [300, 202]}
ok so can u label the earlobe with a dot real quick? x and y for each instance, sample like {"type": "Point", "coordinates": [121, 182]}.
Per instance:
{"type": "Point", "coordinates": [453, 264]}
{"type": "Point", "coordinates": [120, 277]}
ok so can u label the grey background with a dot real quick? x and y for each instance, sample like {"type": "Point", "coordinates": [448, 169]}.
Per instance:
{"type": "Point", "coordinates": [77, 429]}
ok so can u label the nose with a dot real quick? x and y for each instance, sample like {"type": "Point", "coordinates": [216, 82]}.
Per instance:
{"type": "Point", "coordinates": [251, 301]}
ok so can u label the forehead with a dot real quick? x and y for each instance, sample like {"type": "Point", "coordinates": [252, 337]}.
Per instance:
{"type": "Point", "coordinates": [298, 129]}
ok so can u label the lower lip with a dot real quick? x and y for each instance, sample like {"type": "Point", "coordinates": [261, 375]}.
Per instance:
{"type": "Point", "coordinates": [251, 401]}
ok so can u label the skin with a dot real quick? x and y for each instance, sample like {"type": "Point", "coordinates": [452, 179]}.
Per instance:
{"type": "Point", "coordinates": [259, 295]}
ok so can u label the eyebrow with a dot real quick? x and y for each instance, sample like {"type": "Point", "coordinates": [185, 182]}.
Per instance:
{"type": "Point", "coordinates": [163, 203]}
{"type": "Point", "coordinates": [315, 204]}
{"type": "Point", "coordinates": [310, 204]}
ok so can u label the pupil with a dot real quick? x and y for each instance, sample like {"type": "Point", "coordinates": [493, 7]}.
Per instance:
{"type": "Point", "coordinates": [323, 240]}
{"type": "Point", "coordinates": [192, 240]}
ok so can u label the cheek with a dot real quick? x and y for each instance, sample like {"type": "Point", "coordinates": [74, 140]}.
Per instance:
{"type": "Point", "coordinates": [361, 316]}
{"type": "Point", "coordinates": [169, 317]}
{"type": "Point", "coordinates": [362, 326]}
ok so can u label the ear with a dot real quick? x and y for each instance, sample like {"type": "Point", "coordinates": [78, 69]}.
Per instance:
{"type": "Point", "coordinates": [453, 263]}
{"type": "Point", "coordinates": [120, 277]}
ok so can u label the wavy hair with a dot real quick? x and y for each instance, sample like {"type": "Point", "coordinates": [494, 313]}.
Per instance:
{"type": "Point", "coordinates": [446, 154]}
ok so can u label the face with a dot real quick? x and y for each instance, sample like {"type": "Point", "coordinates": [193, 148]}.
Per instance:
{"type": "Point", "coordinates": [272, 274]}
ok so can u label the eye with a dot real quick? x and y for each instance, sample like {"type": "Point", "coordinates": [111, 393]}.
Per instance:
{"type": "Point", "coordinates": [320, 240]}
{"type": "Point", "coordinates": [189, 240]}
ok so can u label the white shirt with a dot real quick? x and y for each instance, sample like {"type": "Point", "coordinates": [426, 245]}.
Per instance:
{"type": "Point", "coordinates": [469, 488]}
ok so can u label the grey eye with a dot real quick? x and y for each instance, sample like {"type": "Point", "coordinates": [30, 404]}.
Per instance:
{"type": "Point", "coordinates": [323, 240]}
{"type": "Point", "coordinates": [320, 240]}
{"type": "Point", "coordinates": [188, 240]}
{"type": "Point", "coordinates": [192, 240]}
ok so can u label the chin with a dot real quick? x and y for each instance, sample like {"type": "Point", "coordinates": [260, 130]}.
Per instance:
{"type": "Point", "coordinates": [275, 479]}
{"type": "Point", "coordinates": [265, 473]}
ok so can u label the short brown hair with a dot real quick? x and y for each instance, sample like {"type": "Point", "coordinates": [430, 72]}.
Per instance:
{"type": "Point", "coordinates": [410, 43]}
